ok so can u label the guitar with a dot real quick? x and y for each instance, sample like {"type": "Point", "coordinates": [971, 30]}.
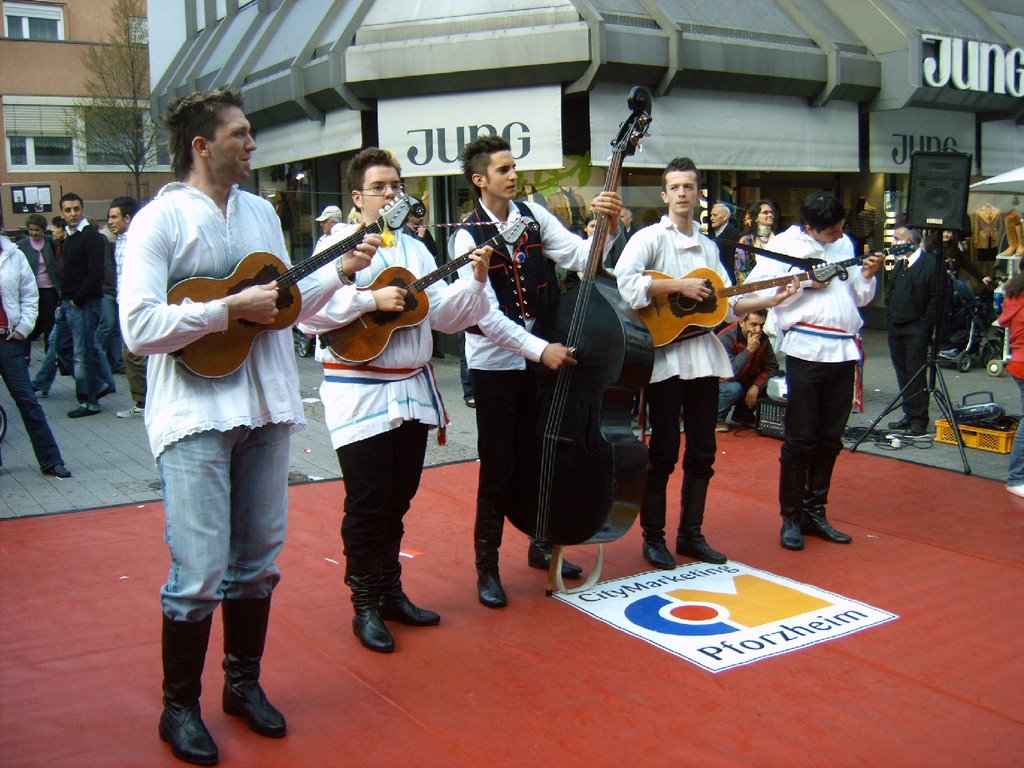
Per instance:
{"type": "Point", "coordinates": [366, 337]}
{"type": "Point", "coordinates": [670, 316]}
{"type": "Point", "coordinates": [219, 354]}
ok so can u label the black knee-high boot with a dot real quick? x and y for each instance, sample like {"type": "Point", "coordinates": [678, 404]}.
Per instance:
{"type": "Point", "coordinates": [181, 724]}
{"type": "Point", "coordinates": [362, 575]}
{"type": "Point", "coordinates": [814, 521]}
{"type": "Point", "coordinates": [652, 520]}
{"type": "Point", "coordinates": [487, 531]}
{"type": "Point", "coordinates": [690, 540]}
{"type": "Point", "coordinates": [395, 605]}
{"type": "Point", "coordinates": [245, 635]}
{"type": "Point", "coordinates": [539, 556]}
{"type": "Point", "coordinates": [792, 487]}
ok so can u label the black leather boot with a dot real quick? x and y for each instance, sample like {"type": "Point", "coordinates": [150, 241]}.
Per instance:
{"type": "Point", "coordinates": [245, 634]}
{"type": "Point", "coordinates": [363, 577]}
{"type": "Point", "coordinates": [814, 521]}
{"type": "Point", "coordinates": [395, 605]}
{"type": "Point", "coordinates": [690, 541]}
{"type": "Point", "coordinates": [652, 520]}
{"type": "Point", "coordinates": [181, 724]}
{"type": "Point", "coordinates": [486, 541]}
{"type": "Point", "coordinates": [792, 486]}
{"type": "Point", "coordinates": [539, 556]}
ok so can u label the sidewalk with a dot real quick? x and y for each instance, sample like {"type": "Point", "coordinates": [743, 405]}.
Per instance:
{"type": "Point", "coordinates": [112, 465]}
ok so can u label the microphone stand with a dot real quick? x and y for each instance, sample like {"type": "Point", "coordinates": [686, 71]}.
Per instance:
{"type": "Point", "coordinates": [930, 370]}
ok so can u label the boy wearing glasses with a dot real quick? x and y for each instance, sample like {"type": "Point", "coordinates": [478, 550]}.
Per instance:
{"type": "Point", "coordinates": [379, 414]}
{"type": "Point", "coordinates": [522, 287]}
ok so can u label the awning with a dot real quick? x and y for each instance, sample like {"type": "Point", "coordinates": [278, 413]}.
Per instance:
{"type": "Point", "coordinates": [1010, 182]}
{"type": "Point", "coordinates": [341, 131]}
{"type": "Point", "coordinates": [895, 135]}
{"type": "Point", "coordinates": [731, 131]}
{"type": "Point", "coordinates": [427, 133]}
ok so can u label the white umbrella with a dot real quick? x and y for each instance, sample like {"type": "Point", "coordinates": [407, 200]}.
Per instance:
{"type": "Point", "coordinates": [1011, 182]}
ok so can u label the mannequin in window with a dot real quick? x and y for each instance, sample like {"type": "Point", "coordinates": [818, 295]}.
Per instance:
{"type": "Point", "coordinates": [987, 226]}
{"type": "Point", "coordinates": [861, 226]}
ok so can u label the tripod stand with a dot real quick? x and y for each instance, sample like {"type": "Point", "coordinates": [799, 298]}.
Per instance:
{"type": "Point", "coordinates": [930, 370]}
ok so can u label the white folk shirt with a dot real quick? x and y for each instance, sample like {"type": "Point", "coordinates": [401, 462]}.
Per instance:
{"type": "Point", "coordinates": [183, 234]}
{"type": "Point", "coordinates": [833, 307]}
{"type": "Point", "coordinates": [505, 345]}
{"type": "Point", "coordinates": [662, 247]}
{"type": "Point", "coordinates": [360, 404]}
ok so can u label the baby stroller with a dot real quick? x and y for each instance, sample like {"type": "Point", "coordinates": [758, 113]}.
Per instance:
{"type": "Point", "coordinates": [970, 338]}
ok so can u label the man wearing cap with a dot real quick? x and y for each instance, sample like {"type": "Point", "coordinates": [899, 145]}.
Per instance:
{"type": "Point", "coordinates": [330, 216]}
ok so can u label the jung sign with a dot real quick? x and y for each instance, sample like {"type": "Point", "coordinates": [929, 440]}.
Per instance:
{"type": "Point", "coordinates": [429, 143]}
{"type": "Point", "coordinates": [973, 66]}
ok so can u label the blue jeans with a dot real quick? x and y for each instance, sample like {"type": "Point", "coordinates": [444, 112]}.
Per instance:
{"type": "Point", "coordinates": [226, 505]}
{"type": "Point", "coordinates": [729, 393]}
{"type": "Point", "coordinates": [108, 334]}
{"type": "Point", "coordinates": [1016, 476]}
{"type": "Point", "coordinates": [91, 367]}
{"type": "Point", "coordinates": [60, 351]}
{"type": "Point", "coordinates": [15, 374]}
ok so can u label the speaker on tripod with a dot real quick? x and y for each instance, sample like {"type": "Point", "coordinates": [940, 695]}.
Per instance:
{"type": "Point", "coordinates": [939, 185]}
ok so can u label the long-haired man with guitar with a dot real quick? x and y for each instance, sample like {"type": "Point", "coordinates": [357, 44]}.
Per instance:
{"type": "Point", "coordinates": [379, 409]}
{"type": "Point", "coordinates": [686, 371]}
{"type": "Point", "coordinates": [221, 444]}
{"type": "Point", "coordinates": [822, 347]}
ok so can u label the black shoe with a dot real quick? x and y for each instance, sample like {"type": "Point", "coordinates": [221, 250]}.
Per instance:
{"type": "Point", "coordinates": [107, 390]}
{"type": "Point", "coordinates": [249, 701]}
{"type": "Point", "coordinates": [540, 557]}
{"type": "Point", "coordinates": [901, 424]}
{"type": "Point", "coordinates": [656, 553]}
{"type": "Point", "coordinates": [699, 549]}
{"type": "Point", "coordinates": [916, 430]}
{"type": "Point", "coordinates": [401, 609]}
{"type": "Point", "coordinates": [182, 727]}
{"type": "Point", "coordinates": [58, 470]}
{"type": "Point", "coordinates": [81, 411]}
{"type": "Point", "coordinates": [368, 626]}
{"type": "Point", "coordinates": [791, 536]}
{"type": "Point", "coordinates": [817, 524]}
{"type": "Point", "coordinates": [489, 589]}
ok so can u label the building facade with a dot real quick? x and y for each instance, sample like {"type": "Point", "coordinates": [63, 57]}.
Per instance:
{"type": "Point", "coordinates": [42, 79]}
{"type": "Point", "coordinates": [772, 98]}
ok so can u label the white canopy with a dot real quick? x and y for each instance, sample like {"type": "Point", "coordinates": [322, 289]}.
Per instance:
{"type": "Point", "coordinates": [1011, 182]}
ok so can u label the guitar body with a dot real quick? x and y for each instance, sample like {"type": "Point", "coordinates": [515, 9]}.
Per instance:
{"type": "Point", "coordinates": [219, 354]}
{"type": "Point", "coordinates": [367, 336]}
{"type": "Point", "coordinates": [600, 466]}
{"type": "Point", "coordinates": [670, 315]}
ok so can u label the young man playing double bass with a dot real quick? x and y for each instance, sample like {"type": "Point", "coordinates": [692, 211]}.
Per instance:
{"type": "Point", "coordinates": [522, 287]}
{"type": "Point", "coordinates": [686, 371]}
{"type": "Point", "coordinates": [378, 414]}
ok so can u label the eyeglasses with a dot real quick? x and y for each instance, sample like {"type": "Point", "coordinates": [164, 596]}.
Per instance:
{"type": "Point", "coordinates": [382, 189]}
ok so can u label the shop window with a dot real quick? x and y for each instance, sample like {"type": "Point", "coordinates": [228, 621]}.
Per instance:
{"type": "Point", "coordinates": [23, 21]}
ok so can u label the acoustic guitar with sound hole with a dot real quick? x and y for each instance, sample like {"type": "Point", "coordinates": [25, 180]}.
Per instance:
{"type": "Point", "coordinates": [367, 336]}
{"type": "Point", "coordinates": [219, 354]}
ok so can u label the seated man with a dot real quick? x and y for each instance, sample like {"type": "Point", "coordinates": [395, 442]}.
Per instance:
{"type": "Point", "coordinates": [753, 363]}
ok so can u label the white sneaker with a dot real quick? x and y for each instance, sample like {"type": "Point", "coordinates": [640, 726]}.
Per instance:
{"type": "Point", "coordinates": [1016, 490]}
{"type": "Point", "coordinates": [129, 413]}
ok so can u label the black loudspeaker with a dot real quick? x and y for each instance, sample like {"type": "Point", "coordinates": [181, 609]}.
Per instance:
{"type": "Point", "coordinates": [939, 184]}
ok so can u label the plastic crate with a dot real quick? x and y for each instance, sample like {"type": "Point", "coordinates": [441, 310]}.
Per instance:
{"type": "Point", "coordinates": [976, 437]}
{"type": "Point", "coordinates": [771, 418]}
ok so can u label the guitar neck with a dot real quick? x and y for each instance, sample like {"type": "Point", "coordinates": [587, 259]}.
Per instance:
{"type": "Point", "coordinates": [454, 265]}
{"type": "Point", "coordinates": [327, 255]}
{"type": "Point", "coordinates": [736, 290]}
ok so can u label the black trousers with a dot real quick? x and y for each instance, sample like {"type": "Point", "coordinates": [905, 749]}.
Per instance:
{"type": "Point", "coordinates": [506, 415]}
{"type": "Point", "coordinates": [908, 348]}
{"type": "Point", "coordinates": [817, 409]}
{"type": "Point", "coordinates": [698, 400]}
{"type": "Point", "coordinates": [381, 475]}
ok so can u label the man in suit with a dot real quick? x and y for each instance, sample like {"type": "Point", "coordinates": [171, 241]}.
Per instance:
{"type": "Point", "coordinates": [721, 226]}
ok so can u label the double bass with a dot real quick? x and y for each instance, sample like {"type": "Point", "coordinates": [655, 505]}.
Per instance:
{"type": "Point", "coordinates": [588, 482]}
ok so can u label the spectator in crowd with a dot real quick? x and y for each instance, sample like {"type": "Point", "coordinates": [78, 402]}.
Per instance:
{"type": "Point", "coordinates": [119, 219]}
{"type": "Point", "coordinates": [41, 253]}
{"type": "Point", "coordinates": [753, 363]}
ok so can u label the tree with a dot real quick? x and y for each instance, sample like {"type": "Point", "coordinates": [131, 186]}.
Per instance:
{"type": "Point", "coordinates": [113, 122]}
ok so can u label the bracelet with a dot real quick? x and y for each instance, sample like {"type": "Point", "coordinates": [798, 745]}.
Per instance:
{"type": "Point", "coordinates": [345, 279]}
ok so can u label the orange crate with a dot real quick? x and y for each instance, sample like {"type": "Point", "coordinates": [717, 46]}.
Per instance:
{"type": "Point", "coordinates": [976, 437]}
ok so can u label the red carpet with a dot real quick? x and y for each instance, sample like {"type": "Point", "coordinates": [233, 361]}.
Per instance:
{"type": "Point", "coordinates": [539, 683]}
